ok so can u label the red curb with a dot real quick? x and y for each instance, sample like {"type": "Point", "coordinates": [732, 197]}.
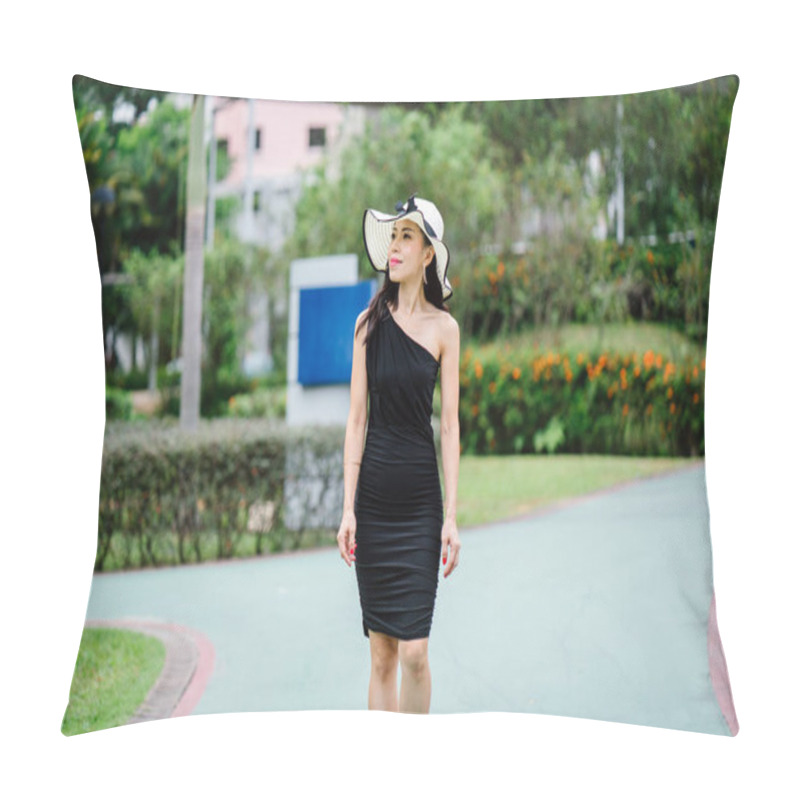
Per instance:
{"type": "Point", "coordinates": [205, 666]}
{"type": "Point", "coordinates": [189, 664]}
{"type": "Point", "coordinates": [718, 668]}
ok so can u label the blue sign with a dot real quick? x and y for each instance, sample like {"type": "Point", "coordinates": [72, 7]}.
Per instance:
{"type": "Point", "coordinates": [325, 338]}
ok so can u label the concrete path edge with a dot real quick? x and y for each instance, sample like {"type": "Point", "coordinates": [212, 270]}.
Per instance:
{"type": "Point", "coordinates": [188, 665]}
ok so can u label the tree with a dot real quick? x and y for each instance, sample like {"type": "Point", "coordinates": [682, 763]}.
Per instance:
{"type": "Point", "coordinates": [399, 153]}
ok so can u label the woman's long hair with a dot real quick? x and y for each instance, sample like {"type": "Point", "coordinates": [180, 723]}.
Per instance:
{"type": "Point", "coordinates": [387, 295]}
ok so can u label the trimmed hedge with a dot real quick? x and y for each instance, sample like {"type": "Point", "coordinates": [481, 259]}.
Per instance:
{"type": "Point", "coordinates": [589, 402]}
{"type": "Point", "coordinates": [172, 497]}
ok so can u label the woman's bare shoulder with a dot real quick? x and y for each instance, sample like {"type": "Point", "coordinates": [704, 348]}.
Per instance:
{"type": "Point", "coordinates": [447, 323]}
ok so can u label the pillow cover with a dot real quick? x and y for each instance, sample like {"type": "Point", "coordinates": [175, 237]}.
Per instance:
{"type": "Point", "coordinates": [580, 232]}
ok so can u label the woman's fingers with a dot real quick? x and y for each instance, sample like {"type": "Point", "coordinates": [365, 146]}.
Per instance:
{"type": "Point", "coordinates": [451, 561]}
{"type": "Point", "coordinates": [346, 539]}
{"type": "Point", "coordinates": [343, 539]}
{"type": "Point", "coordinates": [343, 548]}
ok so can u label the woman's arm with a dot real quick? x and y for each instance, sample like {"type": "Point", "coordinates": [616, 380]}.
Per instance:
{"type": "Point", "coordinates": [451, 440]}
{"type": "Point", "coordinates": [354, 442]}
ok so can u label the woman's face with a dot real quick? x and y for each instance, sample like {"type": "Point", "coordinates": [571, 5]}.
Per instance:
{"type": "Point", "coordinates": [408, 253]}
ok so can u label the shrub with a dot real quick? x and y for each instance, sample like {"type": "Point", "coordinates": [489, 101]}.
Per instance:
{"type": "Point", "coordinates": [119, 404]}
{"type": "Point", "coordinates": [516, 402]}
{"type": "Point", "coordinates": [172, 497]}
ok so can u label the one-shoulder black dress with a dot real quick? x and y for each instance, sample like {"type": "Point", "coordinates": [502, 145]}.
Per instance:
{"type": "Point", "coordinates": [398, 501]}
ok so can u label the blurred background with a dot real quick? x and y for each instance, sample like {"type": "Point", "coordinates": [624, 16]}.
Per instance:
{"type": "Point", "coordinates": [581, 232]}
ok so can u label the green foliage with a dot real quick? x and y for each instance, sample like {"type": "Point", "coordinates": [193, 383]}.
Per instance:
{"type": "Point", "coordinates": [268, 402]}
{"type": "Point", "coordinates": [132, 380]}
{"type": "Point", "coordinates": [587, 400]}
{"type": "Point", "coordinates": [149, 177]}
{"type": "Point", "coordinates": [154, 294]}
{"type": "Point", "coordinates": [118, 404]}
{"type": "Point", "coordinates": [105, 97]}
{"type": "Point", "coordinates": [400, 153]}
{"type": "Point", "coordinates": [172, 497]}
{"type": "Point", "coordinates": [550, 438]}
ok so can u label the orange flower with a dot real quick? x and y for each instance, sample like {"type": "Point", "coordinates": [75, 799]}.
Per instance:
{"type": "Point", "coordinates": [658, 360]}
{"type": "Point", "coordinates": [648, 359]}
{"type": "Point", "coordinates": [650, 258]}
{"type": "Point", "coordinates": [501, 268]}
{"type": "Point", "coordinates": [474, 411]}
{"type": "Point", "coordinates": [492, 387]}
{"type": "Point", "coordinates": [625, 410]}
{"type": "Point", "coordinates": [694, 372]}
{"type": "Point", "coordinates": [695, 398]}
{"type": "Point", "coordinates": [672, 408]}
{"type": "Point", "coordinates": [669, 392]}
{"type": "Point", "coordinates": [478, 370]}
{"type": "Point", "coordinates": [637, 371]}
{"type": "Point", "coordinates": [516, 373]}
{"type": "Point", "coordinates": [649, 409]}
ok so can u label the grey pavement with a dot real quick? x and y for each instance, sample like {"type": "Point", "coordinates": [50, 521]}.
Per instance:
{"type": "Point", "coordinates": [598, 609]}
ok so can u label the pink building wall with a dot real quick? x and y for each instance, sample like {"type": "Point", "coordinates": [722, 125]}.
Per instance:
{"type": "Point", "coordinates": [284, 135]}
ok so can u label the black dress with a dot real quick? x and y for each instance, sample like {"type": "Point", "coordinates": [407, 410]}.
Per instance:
{"type": "Point", "coordinates": [398, 499]}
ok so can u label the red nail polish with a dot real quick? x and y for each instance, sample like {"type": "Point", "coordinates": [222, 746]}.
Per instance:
{"type": "Point", "coordinates": [444, 559]}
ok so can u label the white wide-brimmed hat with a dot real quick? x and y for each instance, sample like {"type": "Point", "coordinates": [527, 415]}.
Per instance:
{"type": "Point", "coordinates": [378, 235]}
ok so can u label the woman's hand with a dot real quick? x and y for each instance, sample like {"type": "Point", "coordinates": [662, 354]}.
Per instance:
{"type": "Point", "coordinates": [450, 540]}
{"type": "Point", "coordinates": [347, 537]}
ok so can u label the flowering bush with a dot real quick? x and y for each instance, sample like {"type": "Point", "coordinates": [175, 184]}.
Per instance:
{"type": "Point", "coordinates": [640, 404]}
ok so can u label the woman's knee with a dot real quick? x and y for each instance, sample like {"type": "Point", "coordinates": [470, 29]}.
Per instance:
{"type": "Point", "coordinates": [383, 651]}
{"type": "Point", "coordinates": [414, 656]}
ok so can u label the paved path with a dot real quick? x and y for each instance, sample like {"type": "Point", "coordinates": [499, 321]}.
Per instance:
{"type": "Point", "coordinates": [598, 608]}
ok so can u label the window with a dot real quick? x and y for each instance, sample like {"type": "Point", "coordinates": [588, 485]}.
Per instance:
{"type": "Point", "coordinates": [257, 143]}
{"type": "Point", "coordinates": [316, 137]}
{"type": "Point", "coordinates": [256, 202]}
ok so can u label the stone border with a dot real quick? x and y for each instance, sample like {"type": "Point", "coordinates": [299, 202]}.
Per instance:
{"type": "Point", "coordinates": [188, 664]}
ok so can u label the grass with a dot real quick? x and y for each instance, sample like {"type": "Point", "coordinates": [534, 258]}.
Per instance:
{"type": "Point", "coordinates": [621, 337]}
{"type": "Point", "coordinates": [114, 672]}
{"type": "Point", "coordinates": [491, 488]}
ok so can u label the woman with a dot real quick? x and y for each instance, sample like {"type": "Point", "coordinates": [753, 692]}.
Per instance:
{"type": "Point", "coordinates": [393, 511]}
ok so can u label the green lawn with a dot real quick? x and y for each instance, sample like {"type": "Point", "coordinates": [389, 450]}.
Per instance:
{"type": "Point", "coordinates": [115, 670]}
{"type": "Point", "coordinates": [492, 488]}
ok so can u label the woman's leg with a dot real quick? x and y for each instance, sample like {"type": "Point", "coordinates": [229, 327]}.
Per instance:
{"type": "Point", "coordinates": [383, 672]}
{"type": "Point", "coordinates": [415, 687]}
